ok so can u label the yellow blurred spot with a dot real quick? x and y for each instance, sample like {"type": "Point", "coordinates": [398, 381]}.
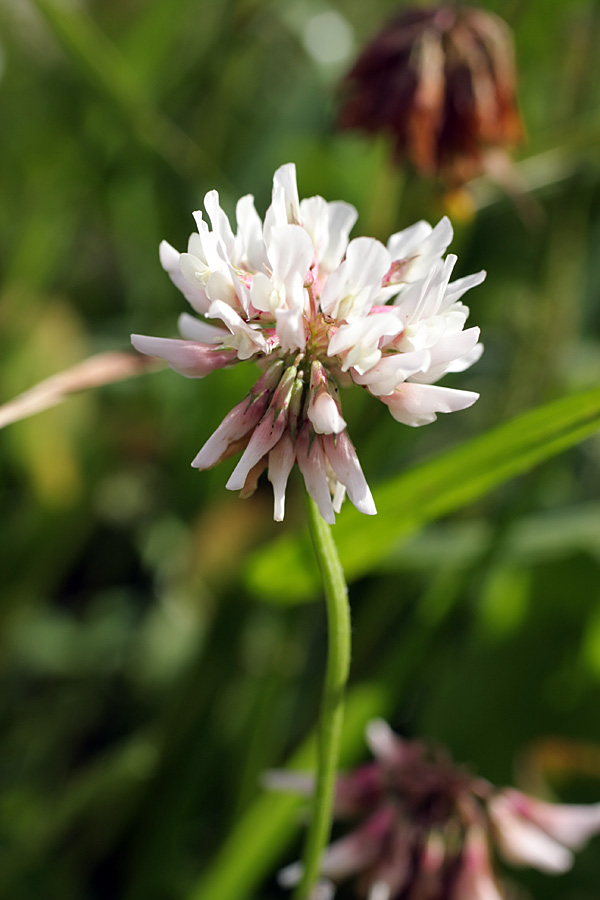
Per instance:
{"type": "Point", "coordinates": [459, 205]}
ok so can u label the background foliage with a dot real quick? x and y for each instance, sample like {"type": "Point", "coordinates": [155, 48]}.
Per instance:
{"type": "Point", "coordinates": [156, 653]}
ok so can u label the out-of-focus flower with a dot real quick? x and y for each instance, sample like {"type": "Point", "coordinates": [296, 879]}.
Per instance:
{"type": "Point", "coordinates": [440, 82]}
{"type": "Point", "coordinates": [426, 829]}
{"type": "Point", "coordinates": [316, 312]}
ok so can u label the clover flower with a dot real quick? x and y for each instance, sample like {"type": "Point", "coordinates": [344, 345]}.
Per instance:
{"type": "Point", "coordinates": [440, 81]}
{"type": "Point", "coordinates": [316, 312]}
{"type": "Point", "coordinates": [426, 829]}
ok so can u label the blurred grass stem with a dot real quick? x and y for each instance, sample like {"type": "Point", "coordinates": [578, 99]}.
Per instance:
{"type": "Point", "coordinates": [332, 703]}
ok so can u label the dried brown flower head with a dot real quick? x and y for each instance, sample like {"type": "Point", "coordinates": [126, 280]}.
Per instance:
{"type": "Point", "coordinates": [440, 82]}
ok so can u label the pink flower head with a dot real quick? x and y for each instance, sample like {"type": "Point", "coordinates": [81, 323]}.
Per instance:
{"type": "Point", "coordinates": [317, 312]}
{"type": "Point", "coordinates": [424, 829]}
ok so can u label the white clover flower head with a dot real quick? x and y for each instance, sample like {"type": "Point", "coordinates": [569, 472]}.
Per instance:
{"type": "Point", "coordinates": [316, 311]}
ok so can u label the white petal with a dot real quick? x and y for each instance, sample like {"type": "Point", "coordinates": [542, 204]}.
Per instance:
{"type": "Point", "coordinates": [193, 329]}
{"type": "Point", "coordinates": [404, 243]}
{"type": "Point", "coordinates": [290, 251]}
{"type": "Point", "coordinates": [382, 741]}
{"type": "Point", "coordinates": [289, 325]}
{"type": "Point", "coordinates": [380, 890]}
{"type": "Point", "coordinates": [392, 370]}
{"type": "Point", "coordinates": [329, 225]}
{"type": "Point", "coordinates": [457, 288]}
{"type": "Point", "coordinates": [281, 461]}
{"type": "Point", "coordinates": [418, 404]}
{"type": "Point", "coordinates": [358, 341]}
{"type": "Point", "coordinates": [454, 346]}
{"type": "Point", "coordinates": [350, 290]}
{"type": "Point", "coordinates": [219, 221]}
{"type": "Point", "coordinates": [464, 362]}
{"type": "Point", "coordinates": [285, 178]}
{"type": "Point", "coordinates": [324, 414]}
{"type": "Point", "coordinates": [193, 293]}
{"type": "Point", "coordinates": [249, 245]}
{"type": "Point", "coordinates": [246, 340]}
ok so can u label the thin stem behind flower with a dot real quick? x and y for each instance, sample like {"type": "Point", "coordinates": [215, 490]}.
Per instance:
{"type": "Point", "coordinates": [332, 703]}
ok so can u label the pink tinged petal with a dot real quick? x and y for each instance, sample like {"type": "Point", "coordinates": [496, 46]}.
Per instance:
{"type": "Point", "coordinates": [264, 437]}
{"type": "Point", "coordinates": [571, 824]}
{"type": "Point", "coordinates": [191, 359]}
{"type": "Point", "coordinates": [344, 462]}
{"type": "Point", "coordinates": [267, 432]}
{"type": "Point", "coordinates": [524, 844]}
{"type": "Point", "coordinates": [311, 462]}
{"type": "Point", "coordinates": [192, 329]}
{"type": "Point", "coordinates": [281, 461]}
{"type": "Point", "coordinates": [475, 879]}
{"type": "Point", "coordinates": [240, 421]}
{"type": "Point", "coordinates": [419, 404]}
{"type": "Point", "coordinates": [193, 293]}
{"type": "Point", "coordinates": [324, 414]}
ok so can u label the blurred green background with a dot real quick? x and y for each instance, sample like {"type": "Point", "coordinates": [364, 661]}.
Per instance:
{"type": "Point", "coordinates": [150, 667]}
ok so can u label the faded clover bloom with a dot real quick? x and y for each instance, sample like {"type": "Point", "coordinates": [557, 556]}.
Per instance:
{"type": "Point", "coordinates": [440, 81]}
{"type": "Point", "coordinates": [426, 829]}
{"type": "Point", "coordinates": [316, 312]}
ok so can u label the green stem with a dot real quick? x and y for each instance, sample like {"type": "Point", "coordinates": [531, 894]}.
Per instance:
{"type": "Point", "coordinates": [332, 702]}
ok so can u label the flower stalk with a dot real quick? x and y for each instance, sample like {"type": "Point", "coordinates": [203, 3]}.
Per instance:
{"type": "Point", "coordinates": [332, 702]}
